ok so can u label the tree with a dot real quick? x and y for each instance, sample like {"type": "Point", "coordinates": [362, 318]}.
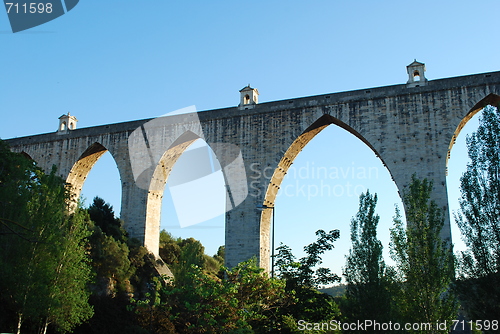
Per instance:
{"type": "Point", "coordinates": [303, 279]}
{"type": "Point", "coordinates": [110, 259]}
{"type": "Point", "coordinates": [69, 293]}
{"type": "Point", "coordinates": [479, 220]}
{"type": "Point", "coordinates": [191, 254]}
{"type": "Point", "coordinates": [424, 262]}
{"type": "Point", "coordinates": [303, 272]}
{"type": "Point", "coordinates": [368, 292]}
{"type": "Point", "coordinates": [246, 300]}
{"type": "Point", "coordinates": [179, 254]}
{"type": "Point", "coordinates": [103, 216]}
{"type": "Point", "coordinates": [170, 249]}
{"type": "Point", "coordinates": [42, 246]}
{"type": "Point", "coordinates": [116, 258]}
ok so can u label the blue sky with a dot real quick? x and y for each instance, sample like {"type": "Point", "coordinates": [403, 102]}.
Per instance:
{"type": "Point", "coordinates": [113, 61]}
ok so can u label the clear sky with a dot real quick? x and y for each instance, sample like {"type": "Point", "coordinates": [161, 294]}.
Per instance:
{"type": "Point", "coordinates": [111, 61]}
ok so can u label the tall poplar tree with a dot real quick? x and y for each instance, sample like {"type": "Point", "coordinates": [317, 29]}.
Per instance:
{"type": "Point", "coordinates": [424, 262]}
{"type": "Point", "coordinates": [479, 220]}
{"type": "Point", "coordinates": [368, 294]}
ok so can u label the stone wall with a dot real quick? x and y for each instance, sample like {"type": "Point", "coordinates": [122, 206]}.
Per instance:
{"type": "Point", "coordinates": [411, 129]}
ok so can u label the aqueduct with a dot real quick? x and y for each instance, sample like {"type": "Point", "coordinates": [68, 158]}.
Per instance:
{"type": "Point", "coordinates": [411, 127]}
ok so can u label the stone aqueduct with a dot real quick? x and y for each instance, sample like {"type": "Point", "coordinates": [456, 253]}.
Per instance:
{"type": "Point", "coordinates": [411, 127]}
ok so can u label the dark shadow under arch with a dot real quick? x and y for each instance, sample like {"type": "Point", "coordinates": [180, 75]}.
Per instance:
{"type": "Point", "coordinates": [27, 156]}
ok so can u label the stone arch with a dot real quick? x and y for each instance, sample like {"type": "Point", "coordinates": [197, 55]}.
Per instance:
{"type": "Point", "coordinates": [286, 161]}
{"type": "Point", "coordinates": [157, 186]}
{"type": "Point", "coordinates": [81, 169]}
{"type": "Point", "coordinates": [491, 99]}
{"type": "Point", "coordinates": [27, 156]}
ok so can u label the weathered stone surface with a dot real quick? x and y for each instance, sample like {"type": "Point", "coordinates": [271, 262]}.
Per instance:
{"type": "Point", "coordinates": [411, 129]}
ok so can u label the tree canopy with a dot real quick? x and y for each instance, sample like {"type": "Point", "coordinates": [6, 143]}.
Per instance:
{"type": "Point", "coordinates": [424, 262]}
{"type": "Point", "coordinates": [43, 257]}
{"type": "Point", "coordinates": [479, 220]}
{"type": "Point", "coordinates": [368, 292]}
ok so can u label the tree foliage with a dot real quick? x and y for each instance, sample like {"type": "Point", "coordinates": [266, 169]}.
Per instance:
{"type": "Point", "coordinates": [122, 265]}
{"type": "Point", "coordinates": [123, 268]}
{"type": "Point", "coordinates": [424, 261]}
{"type": "Point", "coordinates": [180, 254]}
{"type": "Point", "coordinates": [241, 303]}
{"type": "Point", "coordinates": [479, 220]}
{"type": "Point", "coordinates": [304, 271]}
{"type": "Point", "coordinates": [368, 292]}
{"type": "Point", "coordinates": [103, 216]}
{"type": "Point", "coordinates": [302, 281]}
{"type": "Point", "coordinates": [45, 268]}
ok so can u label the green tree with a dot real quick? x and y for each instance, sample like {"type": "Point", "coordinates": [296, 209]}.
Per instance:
{"type": "Point", "coordinates": [368, 292]}
{"type": "Point", "coordinates": [170, 249]}
{"type": "Point", "coordinates": [179, 254]}
{"type": "Point", "coordinates": [303, 280]}
{"type": "Point", "coordinates": [110, 259]}
{"type": "Point", "coordinates": [121, 264]}
{"type": "Point", "coordinates": [69, 294]}
{"type": "Point", "coordinates": [221, 254]}
{"type": "Point", "coordinates": [192, 254]}
{"type": "Point", "coordinates": [42, 247]}
{"type": "Point", "coordinates": [424, 262]}
{"type": "Point", "coordinates": [304, 272]}
{"type": "Point", "coordinates": [244, 302]}
{"type": "Point", "coordinates": [103, 216]}
{"type": "Point", "coordinates": [479, 220]}
{"type": "Point", "coordinates": [214, 264]}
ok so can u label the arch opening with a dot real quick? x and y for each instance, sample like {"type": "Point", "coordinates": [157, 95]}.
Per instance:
{"type": "Point", "coordinates": [491, 99]}
{"type": "Point", "coordinates": [416, 76]}
{"type": "Point", "coordinates": [187, 195]}
{"type": "Point", "coordinates": [104, 181]}
{"type": "Point", "coordinates": [27, 156]}
{"type": "Point", "coordinates": [321, 190]}
{"type": "Point", "coordinates": [456, 163]}
{"type": "Point", "coordinates": [81, 168]}
{"type": "Point", "coordinates": [298, 145]}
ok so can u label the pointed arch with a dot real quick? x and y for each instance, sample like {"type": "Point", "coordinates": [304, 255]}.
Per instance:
{"type": "Point", "coordinates": [26, 155]}
{"type": "Point", "coordinates": [157, 186]}
{"type": "Point", "coordinates": [298, 145]}
{"type": "Point", "coordinates": [168, 160]}
{"type": "Point", "coordinates": [81, 169]}
{"type": "Point", "coordinates": [231, 163]}
{"type": "Point", "coordinates": [287, 160]}
{"type": "Point", "coordinates": [491, 99]}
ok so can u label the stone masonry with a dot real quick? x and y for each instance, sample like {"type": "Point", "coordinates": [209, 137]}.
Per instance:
{"type": "Point", "coordinates": [410, 127]}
